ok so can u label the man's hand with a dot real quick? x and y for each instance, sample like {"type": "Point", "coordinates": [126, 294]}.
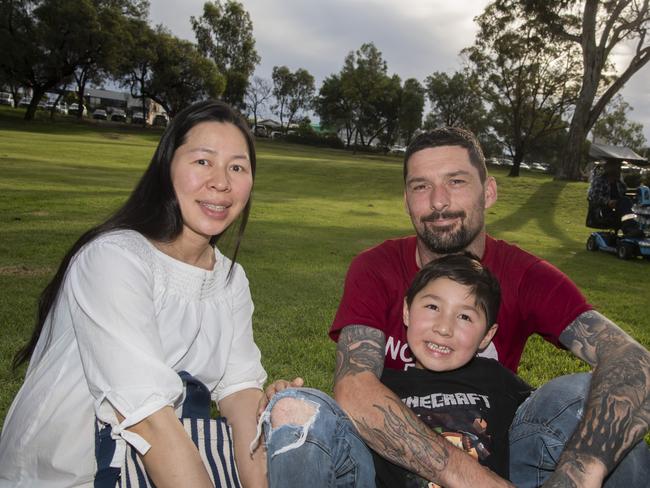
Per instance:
{"type": "Point", "coordinates": [276, 387]}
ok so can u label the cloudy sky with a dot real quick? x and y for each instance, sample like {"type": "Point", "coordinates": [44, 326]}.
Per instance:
{"type": "Point", "coordinates": [416, 37]}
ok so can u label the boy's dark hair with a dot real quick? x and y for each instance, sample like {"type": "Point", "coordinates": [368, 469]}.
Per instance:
{"type": "Point", "coordinates": [464, 269]}
{"type": "Point", "coordinates": [449, 136]}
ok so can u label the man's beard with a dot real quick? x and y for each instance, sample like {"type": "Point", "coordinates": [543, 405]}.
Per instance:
{"type": "Point", "coordinates": [442, 240]}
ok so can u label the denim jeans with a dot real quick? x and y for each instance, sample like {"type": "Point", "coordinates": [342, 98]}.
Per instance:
{"type": "Point", "coordinates": [543, 424]}
{"type": "Point", "coordinates": [325, 452]}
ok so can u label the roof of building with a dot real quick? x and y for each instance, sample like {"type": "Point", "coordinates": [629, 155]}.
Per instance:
{"type": "Point", "coordinates": [604, 151]}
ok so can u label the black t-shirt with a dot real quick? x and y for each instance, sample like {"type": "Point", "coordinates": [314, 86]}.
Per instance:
{"type": "Point", "coordinates": [472, 407]}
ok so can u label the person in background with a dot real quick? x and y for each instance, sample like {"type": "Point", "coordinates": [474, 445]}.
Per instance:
{"type": "Point", "coordinates": [607, 197]}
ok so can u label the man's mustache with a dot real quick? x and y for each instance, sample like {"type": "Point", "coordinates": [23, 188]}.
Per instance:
{"type": "Point", "coordinates": [435, 215]}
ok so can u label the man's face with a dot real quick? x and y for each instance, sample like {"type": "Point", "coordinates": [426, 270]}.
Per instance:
{"type": "Point", "coordinates": [445, 198]}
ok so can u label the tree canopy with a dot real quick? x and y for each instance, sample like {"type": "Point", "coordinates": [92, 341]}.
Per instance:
{"type": "Point", "coordinates": [225, 33]}
{"type": "Point", "coordinates": [597, 28]}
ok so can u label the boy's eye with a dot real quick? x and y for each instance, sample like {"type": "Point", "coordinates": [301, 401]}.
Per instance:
{"type": "Point", "coordinates": [431, 306]}
{"type": "Point", "coordinates": [464, 316]}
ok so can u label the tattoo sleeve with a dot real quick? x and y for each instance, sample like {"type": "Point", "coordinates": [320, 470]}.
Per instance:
{"type": "Point", "coordinates": [617, 411]}
{"type": "Point", "coordinates": [385, 423]}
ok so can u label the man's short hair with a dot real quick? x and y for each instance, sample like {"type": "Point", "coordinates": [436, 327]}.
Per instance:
{"type": "Point", "coordinates": [449, 136]}
{"type": "Point", "coordinates": [464, 269]}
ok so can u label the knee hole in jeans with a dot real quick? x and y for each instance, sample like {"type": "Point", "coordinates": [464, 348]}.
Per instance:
{"type": "Point", "coordinates": [291, 411]}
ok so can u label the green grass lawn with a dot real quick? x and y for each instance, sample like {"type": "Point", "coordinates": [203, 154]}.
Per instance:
{"type": "Point", "coordinates": [313, 210]}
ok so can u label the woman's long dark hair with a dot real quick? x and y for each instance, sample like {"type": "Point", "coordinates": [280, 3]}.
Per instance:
{"type": "Point", "coordinates": [152, 209]}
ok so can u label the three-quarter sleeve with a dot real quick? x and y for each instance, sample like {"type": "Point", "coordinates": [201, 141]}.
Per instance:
{"type": "Point", "coordinates": [114, 321]}
{"type": "Point", "coordinates": [244, 368]}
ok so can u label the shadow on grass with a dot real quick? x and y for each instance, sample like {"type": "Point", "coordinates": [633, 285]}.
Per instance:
{"type": "Point", "coordinates": [546, 197]}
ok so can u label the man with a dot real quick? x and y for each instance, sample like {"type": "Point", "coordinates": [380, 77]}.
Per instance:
{"type": "Point", "coordinates": [608, 200]}
{"type": "Point", "coordinates": [447, 190]}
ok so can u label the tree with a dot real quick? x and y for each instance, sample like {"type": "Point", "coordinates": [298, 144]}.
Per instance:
{"type": "Point", "coordinates": [257, 94]}
{"type": "Point", "coordinates": [372, 95]}
{"type": "Point", "coordinates": [46, 41]}
{"type": "Point", "coordinates": [168, 70]}
{"type": "Point", "coordinates": [181, 75]}
{"type": "Point", "coordinates": [293, 92]}
{"type": "Point", "coordinates": [613, 126]}
{"type": "Point", "coordinates": [597, 28]}
{"type": "Point", "coordinates": [333, 109]}
{"type": "Point", "coordinates": [411, 109]}
{"type": "Point", "coordinates": [528, 82]}
{"type": "Point", "coordinates": [457, 101]}
{"type": "Point", "coordinates": [225, 33]}
{"type": "Point", "coordinates": [363, 100]}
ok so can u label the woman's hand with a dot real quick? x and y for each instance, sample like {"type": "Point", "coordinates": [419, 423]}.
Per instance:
{"type": "Point", "coordinates": [276, 387]}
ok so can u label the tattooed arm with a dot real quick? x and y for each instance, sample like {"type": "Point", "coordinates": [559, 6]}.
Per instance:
{"type": "Point", "coordinates": [387, 425]}
{"type": "Point", "coordinates": [617, 411]}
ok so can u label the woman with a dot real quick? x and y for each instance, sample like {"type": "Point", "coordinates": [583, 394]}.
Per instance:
{"type": "Point", "coordinates": [139, 299]}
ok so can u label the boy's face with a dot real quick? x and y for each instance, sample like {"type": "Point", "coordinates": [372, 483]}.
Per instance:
{"type": "Point", "coordinates": [445, 326]}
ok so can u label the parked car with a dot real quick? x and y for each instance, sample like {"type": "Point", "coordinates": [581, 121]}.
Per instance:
{"type": "Point", "coordinates": [42, 105]}
{"type": "Point", "coordinates": [25, 101]}
{"type": "Point", "coordinates": [73, 109]}
{"type": "Point", "coordinates": [137, 118]}
{"type": "Point", "coordinates": [100, 114]}
{"type": "Point", "coordinates": [118, 115]}
{"type": "Point", "coordinates": [397, 149]}
{"type": "Point", "coordinates": [260, 131]}
{"type": "Point", "coordinates": [6, 99]}
{"type": "Point", "coordinates": [160, 120]}
{"type": "Point", "coordinates": [61, 107]}
{"type": "Point", "coordinates": [540, 167]}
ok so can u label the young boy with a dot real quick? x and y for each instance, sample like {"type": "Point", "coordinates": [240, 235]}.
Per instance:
{"type": "Point", "coordinates": [450, 312]}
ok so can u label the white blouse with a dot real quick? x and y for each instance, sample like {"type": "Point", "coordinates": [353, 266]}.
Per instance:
{"type": "Point", "coordinates": [128, 318]}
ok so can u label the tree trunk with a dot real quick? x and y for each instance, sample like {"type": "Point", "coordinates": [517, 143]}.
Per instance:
{"type": "Point", "coordinates": [517, 157]}
{"type": "Point", "coordinates": [37, 94]}
{"type": "Point", "coordinates": [593, 61]}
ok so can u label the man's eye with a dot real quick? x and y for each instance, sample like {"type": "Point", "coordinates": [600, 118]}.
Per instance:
{"type": "Point", "coordinates": [202, 162]}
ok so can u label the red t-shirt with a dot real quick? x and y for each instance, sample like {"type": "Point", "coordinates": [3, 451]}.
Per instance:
{"type": "Point", "coordinates": [536, 297]}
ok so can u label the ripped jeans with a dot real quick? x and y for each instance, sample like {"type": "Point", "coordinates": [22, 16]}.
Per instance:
{"type": "Point", "coordinates": [325, 451]}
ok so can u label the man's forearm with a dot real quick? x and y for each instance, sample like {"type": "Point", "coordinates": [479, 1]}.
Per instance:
{"type": "Point", "coordinates": [397, 434]}
{"type": "Point", "coordinates": [617, 410]}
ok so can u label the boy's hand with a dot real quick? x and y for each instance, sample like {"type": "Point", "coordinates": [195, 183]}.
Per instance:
{"type": "Point", "coordinates": [276, 387]}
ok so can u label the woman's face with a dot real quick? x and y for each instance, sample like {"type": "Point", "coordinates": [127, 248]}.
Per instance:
{"type": "Point", "coordinates": [212, 178]}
